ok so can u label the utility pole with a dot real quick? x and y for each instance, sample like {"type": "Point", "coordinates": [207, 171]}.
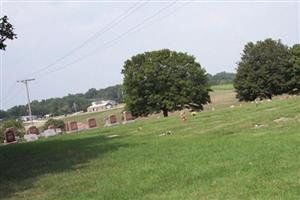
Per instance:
{"type": "Point", "coordinates": [25, 81]}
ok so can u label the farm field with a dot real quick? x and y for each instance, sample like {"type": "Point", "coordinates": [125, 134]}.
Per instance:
{"type": "Point", "coordinates": [243, 152]}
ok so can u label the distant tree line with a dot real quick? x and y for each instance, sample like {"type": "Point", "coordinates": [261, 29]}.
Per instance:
{"type": "Point", "coordinates": [67, 104]}
{"type": "Point", "coordinates": [221, 78]}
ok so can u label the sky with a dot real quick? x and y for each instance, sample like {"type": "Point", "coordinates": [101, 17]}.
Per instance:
{"type": "Point", "coordinates": [72, 46]}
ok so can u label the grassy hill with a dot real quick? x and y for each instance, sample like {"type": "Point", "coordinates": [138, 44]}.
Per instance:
{"type": "Point", "coordinates": [245, 151]}
{"type": "Point", "coordinates": [221, 96]}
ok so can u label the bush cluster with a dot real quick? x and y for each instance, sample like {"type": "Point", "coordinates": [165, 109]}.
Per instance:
{"type": "Point", "coordinates": [57, 123]}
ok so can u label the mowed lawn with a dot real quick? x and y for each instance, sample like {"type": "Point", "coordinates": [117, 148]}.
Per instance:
{"type": "Point", "coordinates": [228, 153]}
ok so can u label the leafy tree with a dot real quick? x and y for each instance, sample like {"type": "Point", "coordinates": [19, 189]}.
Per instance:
{"type": "Point", "coordinates": [293, 78]}
{"type": "Point", "coordinates": [6, 32]}
{"type": "Point", "coordinates": [262, 70]}
{"type": "Point", "coordinates": [165, 81]}
{"type": "Point", "coordinates": [91, 93]}
{"type": "Point", "coordinates": [3, 114]}
{"type": "Point", "coordinates": [17, 111]}
{"type": "Point", "coordinates": [57, 123]}
{"type": "Point", "coordinates": [17, 125]}
{"type": "Point", "coordinates": [65, 105]}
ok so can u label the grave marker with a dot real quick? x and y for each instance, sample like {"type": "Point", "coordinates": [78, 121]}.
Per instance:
{"type": "Point", "coordinates": [92, 123]}
{"type": "Point", "coordinates": [73, 126]}
{"type": "Point", "coordinates": [66, 127]}
{"type": "Point", "coordinates": [33, 130]}
{"type": "Point", "coordinates": [31, 137]}
{"type": "Point", "coordinates": [127, 117]}
{"type": "Point", "coordinates": [111, 120]}
{"type": "Point", "coordinates": [10, 136]}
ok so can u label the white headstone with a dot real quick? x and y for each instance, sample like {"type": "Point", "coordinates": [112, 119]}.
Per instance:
{"type": "Point", "coordinates": [48, 133]}
{"type": "Point", "coordinates": [30, 137]}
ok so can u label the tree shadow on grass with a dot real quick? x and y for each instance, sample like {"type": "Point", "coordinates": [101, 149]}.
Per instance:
{"type": "Point", "coordinates": [21, 164]}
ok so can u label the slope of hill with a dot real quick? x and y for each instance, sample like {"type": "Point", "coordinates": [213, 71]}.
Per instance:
{"type": "Point", "coordinates": [244, 151]}
{"type": "Point", "coordinates": [74, 102]}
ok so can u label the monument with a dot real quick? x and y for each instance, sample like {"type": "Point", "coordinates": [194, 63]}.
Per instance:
{"type": "Point", "coordinates": [73, 126]}
{"type": "Point", "coordinates": [10, 136]}
{"type": "Point", "coordinates": [33, 130]}
{"type": "Point", "coordinates": [127, 117]}
{"type": "Point", "coordinates": [111, 120]}
{"type": "Point", "coordinates": [92, 123]}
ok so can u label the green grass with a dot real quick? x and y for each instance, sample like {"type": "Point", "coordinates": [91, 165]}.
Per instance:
{"type": "Point", "coordinates": [214, 155]}
{"type": "Point", "coordinates": [222, 87]}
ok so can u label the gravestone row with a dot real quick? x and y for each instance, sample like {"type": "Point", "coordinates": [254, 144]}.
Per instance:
{"type": "Point", "coordinates": [72, 126]}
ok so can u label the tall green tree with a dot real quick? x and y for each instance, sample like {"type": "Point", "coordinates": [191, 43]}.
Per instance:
{"type": "Point", "coordinates": [6, 32]}
{"type": "Point", "coordinates": [293, 78]}
{"type": "Point", "coordinates": [3, 114]}
{"type": "Point", "coordinates": [262, 71]}
{"type": "Point", "coordinates": [165, 81]}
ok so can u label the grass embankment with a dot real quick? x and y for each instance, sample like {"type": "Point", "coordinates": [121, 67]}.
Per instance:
{"type": "Point", "coordinates": [229, 153]}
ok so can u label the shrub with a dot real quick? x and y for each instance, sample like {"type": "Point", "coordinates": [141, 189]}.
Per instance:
{"type": "Point", "coordinates": [57, 123]}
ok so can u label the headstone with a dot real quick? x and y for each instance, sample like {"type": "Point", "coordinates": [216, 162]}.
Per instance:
{"type": "Point", "coordinates": [81, 126]}
{"type": "Point", "coordinates": [92, 123]}
{"type": "Point", "coordinates": [31, 137]}
{"type": "Point", "coordinates": [33, 130]}
{"type": "Point", "coordinates": [73, 126]}
{"type": "Point", "coordinates": [111, 120]}
{"type": "Point", "coordinates": [67, 127]}
{"type": "Point", "coordinates": [58, 130]}
{"type": "Point", "coordinates": [10, 136]}
{"type": "Point", "coordinates": [48, 133]}
{"type": "Point", "coordinates": [127, 117]}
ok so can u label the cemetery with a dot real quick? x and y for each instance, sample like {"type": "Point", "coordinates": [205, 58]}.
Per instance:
{"type": "Point", "coordinates": [33, 133]}
{"type": "Point", "coordinates": [165, 151]}
{"type": "Point", "coordinates": [168, 128]}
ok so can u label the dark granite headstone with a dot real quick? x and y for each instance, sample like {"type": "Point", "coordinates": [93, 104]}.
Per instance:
{"type": "Point", "coordinates": [10, 136]}
{"type": "Point", "coordinates": [112, 119]}
{"type": "Point", "coordinates": [73, 126]}
{"type": "Point", "coordinates": [92, 123]}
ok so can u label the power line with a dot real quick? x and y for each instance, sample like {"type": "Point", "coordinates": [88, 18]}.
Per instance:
{"type": "Point", "coordinates": [103, 30]}
{"type": "Point", "coordinates": [12, 97]}
{"type": "Point", "coordinates": [25, 81]}
{"type": "Point", "coordinates": [108, 27]}
{"type": "Point", "coordinates": [134, 29]}
{"type": "Point", "coordinates": [114, 40]}
{"type": "Point", "coordinates": [10, 90]}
